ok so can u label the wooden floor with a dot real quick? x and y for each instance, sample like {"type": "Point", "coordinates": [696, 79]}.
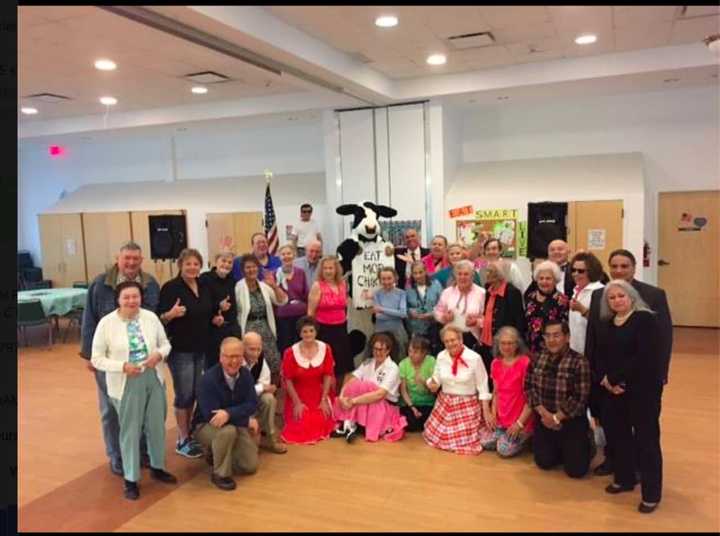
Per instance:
{"type": "Point", "coordinates": [65, 484]}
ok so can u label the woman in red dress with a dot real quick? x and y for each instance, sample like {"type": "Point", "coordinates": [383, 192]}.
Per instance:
{"type": "Point", "coordinates": [308, 373]}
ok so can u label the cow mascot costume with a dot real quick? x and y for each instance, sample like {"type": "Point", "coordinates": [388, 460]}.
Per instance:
{"type": "Point", "coordinates": [361, 256]}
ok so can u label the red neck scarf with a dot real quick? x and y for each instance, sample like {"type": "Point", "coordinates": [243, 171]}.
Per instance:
{"type": "Point", "coordinates": [487, 332]}
{"type": "Point", "coordinates": [458, 360]}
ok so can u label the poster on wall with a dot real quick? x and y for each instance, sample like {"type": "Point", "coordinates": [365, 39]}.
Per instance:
{"type": "Point", "coordinates": [394, 231]}
{"type": "Point", "coordinates": [596, 239]}
{"type": "Point", "coordinates": [365, 267]}
{"type": "Point", "coordinates": [491, 223]}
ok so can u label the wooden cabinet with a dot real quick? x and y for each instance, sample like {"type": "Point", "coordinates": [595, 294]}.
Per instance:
{"type": "Point", "coordinates": [231, 231]}
{"type": "Point", "coordinates": [140, 226]}
{"type": "Point", "coordinates": [105, 232]}
{"type": "Point", "coordinates": [63, 248]}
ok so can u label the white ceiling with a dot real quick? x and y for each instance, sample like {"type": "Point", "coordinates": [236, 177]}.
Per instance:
{"type": "Point", "coordinates": [58, 45]}
{"type": "Point", "coordinates": [638, 49]}
{"type": "Point", "coordinates": [523, 34]}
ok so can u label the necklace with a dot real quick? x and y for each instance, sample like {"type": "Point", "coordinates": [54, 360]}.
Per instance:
{"type": "Point", "coordinates": [619, 320]}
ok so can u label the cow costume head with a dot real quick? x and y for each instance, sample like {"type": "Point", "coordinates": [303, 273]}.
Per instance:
{"type": "Point", "coordinates": [365, 229]}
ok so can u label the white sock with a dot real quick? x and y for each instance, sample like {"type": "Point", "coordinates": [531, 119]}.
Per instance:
{"type": "Point", "coordinates": [350, 426]}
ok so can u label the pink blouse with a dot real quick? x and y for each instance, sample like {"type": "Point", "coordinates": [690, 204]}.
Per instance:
{"type": "Point", "coordinates": [429, 263]}
{"type": "Point", "coordinates": [332, 308]}
{"type": "Point", "coordinates": [462, 305]}
{"type": "Point", "coordinates": [509, 391]}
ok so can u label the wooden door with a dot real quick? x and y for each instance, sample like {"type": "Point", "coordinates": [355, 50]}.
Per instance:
{"type": "Point", "coordinates": [73, 246]}
{"type": "Point", "coordinates": [597, 227]}
{"type": "Point", "coordinates": [231, 231]}
{"type": "Point", "coordinates": [105, 232]}
{"type": "Point", "coordinates": [140, 227]}
{"type": "Point", "coordinates": [688, 265]}
{"type": "Point", "coordinates": [51, 244]}
{"type": "Point", "coordinates": [63, 251]}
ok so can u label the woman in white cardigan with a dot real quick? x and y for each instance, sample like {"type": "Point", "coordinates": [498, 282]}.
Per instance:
{"type": "Point", "coordinates": [130, 345]}
{"type": "Point", "coordinates": [255, 300]}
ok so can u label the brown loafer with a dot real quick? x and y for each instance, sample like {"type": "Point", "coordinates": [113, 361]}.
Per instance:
{"type": "Point", "coordinates": [275, 447]}
{"type": "Point", "coordinates": [225, 483]}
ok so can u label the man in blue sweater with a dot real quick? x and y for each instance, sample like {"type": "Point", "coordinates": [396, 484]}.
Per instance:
{"type": "Point", "coordinates": [101, 301]}
{"type": "Point", "coordinates": [225, 424]}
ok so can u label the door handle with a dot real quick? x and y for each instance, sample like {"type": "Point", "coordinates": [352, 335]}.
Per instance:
{"type": "Point", "coordinates": [662, 262]}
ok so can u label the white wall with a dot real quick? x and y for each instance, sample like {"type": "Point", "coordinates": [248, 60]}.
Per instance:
{"type": "Point", "coordinates": [512, 184]}
{"type": "Point", "coordinates": [202, 151]}
{"type": "Point", "coordinates": [677, 132]}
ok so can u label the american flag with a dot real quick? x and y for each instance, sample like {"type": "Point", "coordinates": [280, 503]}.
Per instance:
{"type": "Point", "coordinates": [270, 223]}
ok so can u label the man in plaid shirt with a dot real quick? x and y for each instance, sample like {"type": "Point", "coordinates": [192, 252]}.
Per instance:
{"type": "Point", "coordinates": [557, 388]}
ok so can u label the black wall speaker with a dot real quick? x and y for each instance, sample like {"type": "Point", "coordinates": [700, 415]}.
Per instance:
{"type": "Point", "coordinates": [168, 236]}
{"type": "Point", "coordinates": [546, 222]}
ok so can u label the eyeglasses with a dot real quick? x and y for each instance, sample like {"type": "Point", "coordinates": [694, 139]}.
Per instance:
{"type": "Point", "coordinates": [380, 349]}
{"type": "Point", "coordinates": [578, 270]}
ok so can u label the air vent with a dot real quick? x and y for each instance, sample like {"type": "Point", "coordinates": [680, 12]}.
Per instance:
{"type": "Point", "coordinates": [207, 77]}
{"type": "Point", "coordinates": [472, 40]}
{"type": "Point", "coordinates": [48, 97]}
{"type": "Point", "coordinates": [690, 12]}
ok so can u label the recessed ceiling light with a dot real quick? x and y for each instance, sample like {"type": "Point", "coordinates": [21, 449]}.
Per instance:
{"type": "Point", "coordinates": [105, 65]}
{"type": "Point", "coordinates": [28, 110]}
{"type": "Point", "coordinates": [108, 101]}
{"type": "Point", "coordinates": [436, 59]}
{"type": "Point", "coordinates": [671, 80]}
{"type": "Point", "coordinates": [199, 90]}
{"type": "Point", "coordinates": [386, 21]}
{"type": "Point", "coordinates": [586, 39]}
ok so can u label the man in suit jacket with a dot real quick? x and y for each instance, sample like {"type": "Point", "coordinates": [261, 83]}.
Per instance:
{"type": "Point", "coordinates": [406, 255]}
{"type": "Point", "coordinates": [622, 266]}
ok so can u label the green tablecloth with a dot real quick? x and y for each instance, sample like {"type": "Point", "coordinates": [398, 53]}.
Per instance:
{"type": "Point", "coordinates": [55, 301]}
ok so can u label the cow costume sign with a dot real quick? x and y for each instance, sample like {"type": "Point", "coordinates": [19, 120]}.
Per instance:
{"type": "Point", "coordinates": [365, 251]}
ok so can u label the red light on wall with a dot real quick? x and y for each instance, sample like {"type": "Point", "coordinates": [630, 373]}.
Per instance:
{"type": "Point", "coordinates": [55, 150]}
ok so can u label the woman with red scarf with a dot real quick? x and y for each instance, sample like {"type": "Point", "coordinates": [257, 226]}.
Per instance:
{"type": "Point", "coordinates": [503, 307]}
{"type": "Point", "coordinates": [457, 422]}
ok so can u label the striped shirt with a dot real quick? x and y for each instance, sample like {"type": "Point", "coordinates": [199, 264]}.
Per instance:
{"type": "Point", "coordinates": [559, 382]}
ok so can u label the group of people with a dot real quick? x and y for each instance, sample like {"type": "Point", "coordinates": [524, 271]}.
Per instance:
{"type": "Point", "coordinates": [462, 352]}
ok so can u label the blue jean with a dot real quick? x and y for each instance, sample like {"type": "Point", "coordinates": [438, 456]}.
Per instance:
{"type": "Point", "coordinates": [186, 369]}
{"type": "Point", "coordinates": [110, 423]}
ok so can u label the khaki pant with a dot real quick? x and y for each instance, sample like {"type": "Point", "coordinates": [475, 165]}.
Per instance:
{"type": "Point", "coordinates": [233, 448]}
{"type": "Point", "coordinates": [266, 416]}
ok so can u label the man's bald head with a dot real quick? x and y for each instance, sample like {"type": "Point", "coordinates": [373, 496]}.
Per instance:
{"type": "Point", "coordinates": [313, 251]}
{"type": "Point", "coordinates": [253, 345]}
{"type": "Point", "coordinates": [558, 251]}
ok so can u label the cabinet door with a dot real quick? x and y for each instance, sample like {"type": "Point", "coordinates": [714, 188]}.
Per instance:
{"type": "Point", "coordinates": [161, 270]}
{"type": "Point", "coordinates": [73, 250]}
{"type": "Point", "coordinates": [231, 231]}
{"type": "Point", "coordinates": [51, 244]}
{"type": "Point", "coordinates": [104, 232]}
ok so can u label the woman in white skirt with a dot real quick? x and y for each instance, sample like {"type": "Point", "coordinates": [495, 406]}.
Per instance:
{"type": "Point", "coordinates": [461, 416]}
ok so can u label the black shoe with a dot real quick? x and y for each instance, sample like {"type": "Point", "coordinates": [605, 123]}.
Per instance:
{"type": "Point", "coordinates": [162, 476]}
{"type": "Point", "coordinates": [132, 492]}
{"type": "Point", "coordinates": [614, 489]}
{"type": "Point", "coordinates": [223, 482]}
{"type": "Point", "coordinates": [604, 469]}
{"type": "Point", "coordinates": [145, 461]}
{"type": "Point", "coordinates": [353, 434]}
{"type": "Point", "coordinates": [647, 508]}
{"type": "Point", "coordinates": [337, 433]}
{"type": "Point", "coordinates": [116, 470]}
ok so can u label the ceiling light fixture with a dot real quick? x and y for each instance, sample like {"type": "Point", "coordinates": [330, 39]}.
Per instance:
{"type": "Point", "coordinates": [108, 101]}
{"type": "Point", "coordinates": [586, 39]}
{"type": "Point", "coordinates": [386, 21]}
{"type": "Point", "coordinates": [713, 43]}
{"type": "Point", "coordinates": [199, 90]}
{"type": "Point", "coordinates": [503, 97]}
{"type": "Point", "coordinates": [28, 110]}
{"type": "Point", "coordinates": [105, 65]}
{"type": "Point", "coordinates": [436, 59]}
{"type": "Point", "coordinates": [671, 80]}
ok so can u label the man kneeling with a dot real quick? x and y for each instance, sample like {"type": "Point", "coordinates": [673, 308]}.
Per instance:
{"type": "Point", "coordinates": [227, 403]}
{"type": "Point", "coordinates": [265, 390]}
